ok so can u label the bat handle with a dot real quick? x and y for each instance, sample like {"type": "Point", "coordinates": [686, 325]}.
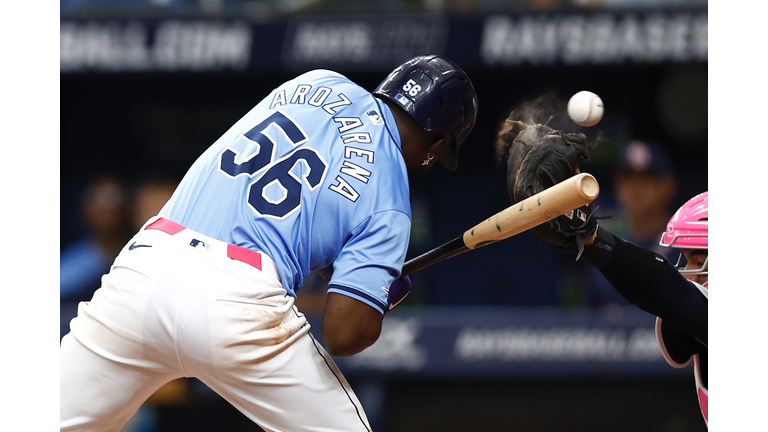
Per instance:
{"type": "Point", "coordinates": [448, 250]}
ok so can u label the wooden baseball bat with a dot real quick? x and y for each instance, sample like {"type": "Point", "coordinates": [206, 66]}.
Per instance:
{"type": "Point", "coordinates": [533, 211]}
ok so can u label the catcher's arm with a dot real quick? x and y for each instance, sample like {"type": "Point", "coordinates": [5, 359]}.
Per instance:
{"type": "Point", "coordinates": [649, 281]}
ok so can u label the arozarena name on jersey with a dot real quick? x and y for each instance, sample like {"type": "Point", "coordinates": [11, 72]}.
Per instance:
{"type": "Point", "coordinates": [346, 125]}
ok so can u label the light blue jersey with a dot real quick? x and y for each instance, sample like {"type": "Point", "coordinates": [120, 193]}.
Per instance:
{"type": "Point", "coordinates": [313, 175]}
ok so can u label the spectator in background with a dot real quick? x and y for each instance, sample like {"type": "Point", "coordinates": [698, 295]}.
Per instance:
{"type": "Point", "coordinates": [644, 186]}
{"type": "Point", "coordinates": [105, 215]}
{"type": "Point", "coordinates": [111, 215]}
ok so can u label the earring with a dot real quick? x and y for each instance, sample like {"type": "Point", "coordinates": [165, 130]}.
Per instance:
{"type": "Point", "coordinates": [428, 159]}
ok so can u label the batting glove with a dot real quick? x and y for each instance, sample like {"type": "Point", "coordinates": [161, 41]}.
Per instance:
{"type": "Point", "coordinates": [398, 291]}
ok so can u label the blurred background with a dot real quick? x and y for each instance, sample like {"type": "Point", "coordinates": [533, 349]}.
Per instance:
{"type": "Point", "coordinates": [513, 336]}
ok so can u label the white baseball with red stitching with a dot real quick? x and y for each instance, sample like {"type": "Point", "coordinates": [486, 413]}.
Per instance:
{"type": "Point", "coordinates": [585, 108]}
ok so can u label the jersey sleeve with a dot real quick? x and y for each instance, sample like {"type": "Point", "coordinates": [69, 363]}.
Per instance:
{"type": "Point", "coordinates": [372, 258]}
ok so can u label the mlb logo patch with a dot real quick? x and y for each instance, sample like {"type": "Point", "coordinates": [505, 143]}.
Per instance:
{"type": "Point", "coordinates": [569, 215]}
{"type": "Point", "coordinates": [199, 245]}
{"type": "Point", "coordinates": [404, 101]}
{"type": "Point", "coordinates": [375, 118]}
{"type": "Point", "coordinates": [581, 215]}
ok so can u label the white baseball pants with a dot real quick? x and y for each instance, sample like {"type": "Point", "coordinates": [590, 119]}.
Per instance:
{"type": "Point", "coordinates": [175, 305]}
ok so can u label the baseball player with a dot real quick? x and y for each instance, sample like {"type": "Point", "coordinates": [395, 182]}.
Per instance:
{"type": "Point", "coordinates": [677, 294]}
{"type": "Point", "coordinates": [314, 178]}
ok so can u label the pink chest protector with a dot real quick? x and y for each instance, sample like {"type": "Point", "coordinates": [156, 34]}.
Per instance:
{"type": "Point", "coordinates": [701, 390]}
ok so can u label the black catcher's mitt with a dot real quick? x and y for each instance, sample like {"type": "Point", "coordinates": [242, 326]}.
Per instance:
{"type": "Point", "coordinates": [539, 158]}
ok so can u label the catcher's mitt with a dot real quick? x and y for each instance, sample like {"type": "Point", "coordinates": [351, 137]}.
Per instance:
{"type": "Point", "coordinates": [541, 157]}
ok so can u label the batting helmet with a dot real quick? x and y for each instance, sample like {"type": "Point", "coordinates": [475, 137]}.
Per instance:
{"type": "Point", "coordinates": [438, 94]}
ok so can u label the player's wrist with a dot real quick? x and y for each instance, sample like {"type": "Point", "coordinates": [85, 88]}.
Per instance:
{"type": "Point", "coordinates": [589, 241]}
{"type": "Point", "coordinates": [599, 252]}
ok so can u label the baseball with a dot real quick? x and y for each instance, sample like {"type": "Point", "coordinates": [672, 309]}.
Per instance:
{"type": "Point", "coordinates": [585, 108]}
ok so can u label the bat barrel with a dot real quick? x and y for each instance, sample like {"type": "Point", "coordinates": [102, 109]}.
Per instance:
{"type": "Point", "coordinates": [587, 186]}
{"type": "Point", "coordinates": [535, 210]}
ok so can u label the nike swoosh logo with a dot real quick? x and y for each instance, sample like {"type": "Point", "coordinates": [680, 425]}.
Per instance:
{"type": "Point", "coordinates": [134, 246]}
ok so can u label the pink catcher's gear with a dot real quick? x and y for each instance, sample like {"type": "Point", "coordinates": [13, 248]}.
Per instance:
{"type": "Point", "coordinates": [689, 229]}
{"type": "Point", "coordinates": [689, 226]}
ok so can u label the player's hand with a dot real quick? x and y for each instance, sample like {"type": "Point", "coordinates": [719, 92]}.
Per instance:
{"type": "Point", "coordinates": [398, 291]}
